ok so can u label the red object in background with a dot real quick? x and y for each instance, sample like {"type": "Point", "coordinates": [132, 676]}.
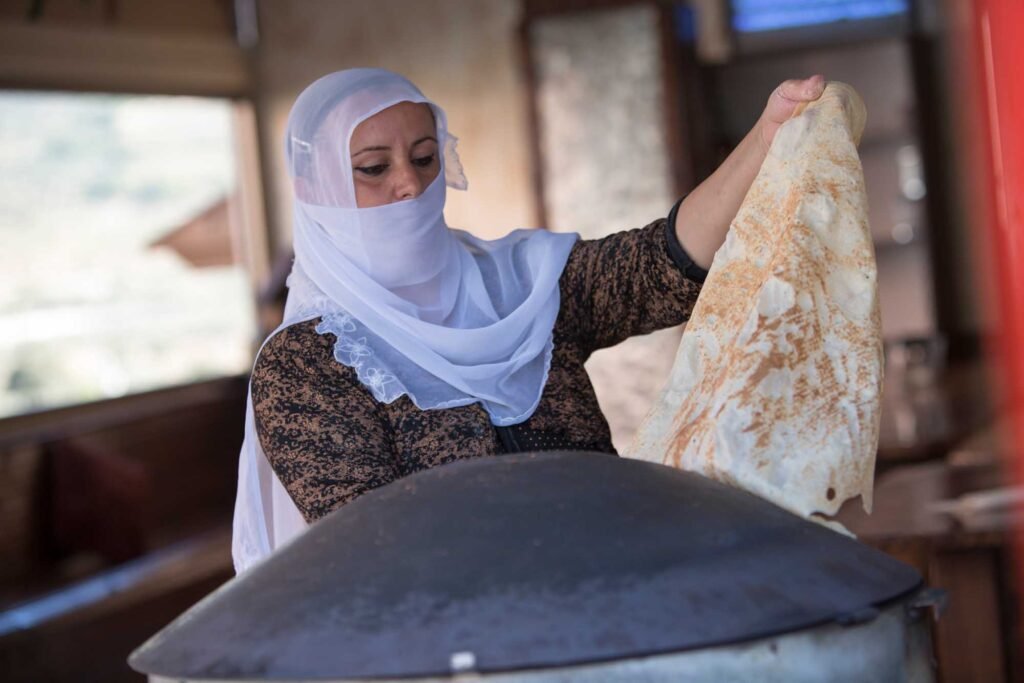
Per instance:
{"type": "Point", "coordinates": [994, 37]}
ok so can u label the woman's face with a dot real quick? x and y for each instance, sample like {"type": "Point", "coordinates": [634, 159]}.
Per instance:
{"type": "Point", "coordinates": [394, 154]}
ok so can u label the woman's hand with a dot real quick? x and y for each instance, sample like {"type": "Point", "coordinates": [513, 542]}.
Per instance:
{"type": "Point", "coordinates": [704, 216]}
{"type": "Point", "coordinates": [783, 102]}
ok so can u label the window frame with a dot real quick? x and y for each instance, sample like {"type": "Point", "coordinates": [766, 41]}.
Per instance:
{"type": "Point", "coordinates": [123, 61]}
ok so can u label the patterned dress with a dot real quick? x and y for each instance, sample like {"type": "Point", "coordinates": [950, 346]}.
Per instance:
{"type": "Point", "coordinates": [329, 440]}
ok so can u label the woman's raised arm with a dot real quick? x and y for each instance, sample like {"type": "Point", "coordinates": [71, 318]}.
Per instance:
{"type": "Point", "coordinates": [703, 218]}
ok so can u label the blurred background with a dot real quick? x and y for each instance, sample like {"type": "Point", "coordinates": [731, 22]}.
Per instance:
{"type": "Point", "coordinates": [145, 225]}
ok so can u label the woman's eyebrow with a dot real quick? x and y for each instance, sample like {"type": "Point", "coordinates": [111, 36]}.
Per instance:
{"type": "Point", "coordinates": [374, 148]}
{"type": "Point", "coordinates": [386, 148]}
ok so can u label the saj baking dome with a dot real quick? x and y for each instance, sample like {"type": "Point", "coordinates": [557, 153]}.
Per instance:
{"type": "Point", "coordinates": [557, 566]}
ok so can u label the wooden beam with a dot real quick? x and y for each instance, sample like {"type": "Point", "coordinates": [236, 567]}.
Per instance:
{"type": "Point", "coordinates": [50, 425]}
{"type": "Point", "coordinates": [106, 60]}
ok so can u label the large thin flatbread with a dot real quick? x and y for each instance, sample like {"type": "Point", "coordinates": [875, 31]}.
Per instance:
{"type": "Point", "coordinates": [777, 382]}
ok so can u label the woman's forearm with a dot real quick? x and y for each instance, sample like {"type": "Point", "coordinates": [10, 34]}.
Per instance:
{"type": "Point", "coordinates": [704, 216]}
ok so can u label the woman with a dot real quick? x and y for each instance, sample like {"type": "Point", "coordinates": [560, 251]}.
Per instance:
{"type": "Point", "coordinates": [407, 344]}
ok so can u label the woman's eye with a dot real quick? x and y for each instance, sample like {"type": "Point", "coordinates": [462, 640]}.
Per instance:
{"type": "Point", "coordinates": [374, 170]}
{"type": "Point", "coordinates": [423, 162]}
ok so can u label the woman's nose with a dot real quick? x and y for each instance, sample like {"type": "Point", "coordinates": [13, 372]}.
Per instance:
{"type": "Point", "coordinates": [408, 184]}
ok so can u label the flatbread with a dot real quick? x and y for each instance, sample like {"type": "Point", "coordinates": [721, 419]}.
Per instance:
{"type": "Point", "coordinates": [777, 382]}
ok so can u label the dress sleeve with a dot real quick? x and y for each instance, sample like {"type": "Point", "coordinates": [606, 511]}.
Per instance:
{"type": "Point", "coordinates": [323, 433]}
{"type": "Point", "coordinates": [627, 283]}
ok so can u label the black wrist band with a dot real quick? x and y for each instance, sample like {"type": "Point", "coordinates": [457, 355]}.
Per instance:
{"type": "Point", "coordinates": [675, 250]}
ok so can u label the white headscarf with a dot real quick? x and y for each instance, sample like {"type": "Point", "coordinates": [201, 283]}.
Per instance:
{"type": "Point", "coordinates": [417, 308]}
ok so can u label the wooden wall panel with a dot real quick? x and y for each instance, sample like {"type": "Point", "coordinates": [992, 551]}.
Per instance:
{"type": "Point", "coordinates": [20, 473]}
{"type": "Point", "coordinates": [108, 482]}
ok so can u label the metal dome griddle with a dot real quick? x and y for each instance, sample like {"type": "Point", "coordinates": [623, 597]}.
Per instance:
{"type": "Point", "coordinates": [528, 560]}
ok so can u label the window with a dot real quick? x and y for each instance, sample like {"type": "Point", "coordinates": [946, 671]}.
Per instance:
{"type": "Point", "coordinates": [118, 247]}
{"type": "Point", "coordinates": [769, 15]}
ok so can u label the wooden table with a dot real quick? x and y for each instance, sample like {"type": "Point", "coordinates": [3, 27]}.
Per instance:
{"type": "Point", "coordinates": [978, 638]}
